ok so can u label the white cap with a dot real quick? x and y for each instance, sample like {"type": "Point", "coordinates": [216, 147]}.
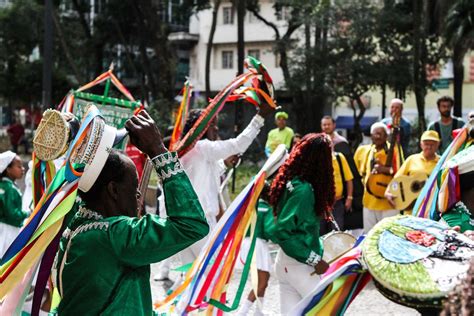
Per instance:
{"type": "Point", "coordinates": [99, 158]}
{"type": "Point", "coordinates": [6, 159]}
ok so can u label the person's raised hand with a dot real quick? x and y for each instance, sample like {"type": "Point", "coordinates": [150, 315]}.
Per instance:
{"type": "Point", "coordinates": [145, 135]}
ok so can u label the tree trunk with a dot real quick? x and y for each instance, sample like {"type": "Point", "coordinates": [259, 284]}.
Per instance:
{"type": "Point", "coordinates": [67, 52]}
{"type": "Point", "coordinates": [210, 42]}
{"type": "Point", "coordinates": [384, 97]}
{"type": "Point", "coordinates": [241, 5]}
{"type": "Point", "coordinates": [458, 58]}
{"type": "Point", "coordinates": [357, 131]}
{"type": "Point", "coordinates": [419, 72]}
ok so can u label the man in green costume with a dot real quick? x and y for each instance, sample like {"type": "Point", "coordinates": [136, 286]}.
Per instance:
{"type": "Point", "coordinates": [106, 251]}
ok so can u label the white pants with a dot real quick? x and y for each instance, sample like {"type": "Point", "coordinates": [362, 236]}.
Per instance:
{"type": "Point", "coordinates": [261, 252]}
{"type": "Point", "coordinates": [8, 233]}
{"type": "Point", "coordinates": [372, 217]}
{"type": "Point", "coordinates": [295, 280]}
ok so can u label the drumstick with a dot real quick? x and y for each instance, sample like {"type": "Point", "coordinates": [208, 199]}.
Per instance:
{"type": "Point", "coordinates": [336, 226]}
{"type": "Point", "coordinates": [146, 173]}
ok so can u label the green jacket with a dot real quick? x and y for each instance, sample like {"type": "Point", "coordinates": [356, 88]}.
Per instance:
{"type": "Point", "coordinates": [10, 204]}
{"type": "Point", "coordinates": [460, 216]}
{"type": "Point", "coordinates": [265, 221]}
{"type": "Point", "coordinates": [297, 225]}
{"type": "Point", "coordinates": [104, 263]}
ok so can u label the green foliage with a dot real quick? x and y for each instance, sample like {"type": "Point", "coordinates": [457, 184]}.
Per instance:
{"type": "Point", "coordinates": [20, 30]}
{"type": "Point", "coordinates": [460, 24]}
{"type": "Point", "coordinates": [83, 49]}
{"type": "Point", "coordinates": [244, 173]}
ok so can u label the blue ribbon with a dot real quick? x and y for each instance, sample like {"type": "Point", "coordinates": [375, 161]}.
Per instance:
{"type": "Point", "coordinates": [215, 246]}
{"type": "Point", "coordinates": [93, 113]}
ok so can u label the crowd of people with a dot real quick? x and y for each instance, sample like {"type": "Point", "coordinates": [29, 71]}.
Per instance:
{"type": "Point", "coordinates": [322, 186]}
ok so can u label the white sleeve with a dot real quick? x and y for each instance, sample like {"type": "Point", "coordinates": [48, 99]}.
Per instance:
{"type": "Point", "coordinates": [222, 149]}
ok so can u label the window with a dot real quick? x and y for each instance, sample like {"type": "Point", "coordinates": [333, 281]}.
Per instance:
{"type": "Point", "coordinates": [283, 13]}
{"type": "Point", "coordinates": [228, 15]}
{"type": "Point", "coordinates": [254, 53]}
{"type": "Point", "coordinates": [227, 59]}
{"type": "Point", "coordinates": [252, 17]}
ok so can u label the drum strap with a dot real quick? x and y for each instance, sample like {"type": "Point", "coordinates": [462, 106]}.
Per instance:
{"type": "Point", "coordinates": [343, 177]}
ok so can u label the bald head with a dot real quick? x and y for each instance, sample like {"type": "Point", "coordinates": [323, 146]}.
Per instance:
{"type": "Point", "coordinates": [396, 107]}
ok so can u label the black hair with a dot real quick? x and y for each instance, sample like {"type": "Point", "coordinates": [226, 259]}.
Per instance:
{"type": "Point", "coordinates": [445, 98]}
{"type": "Point", "coordinates": [466, 181]}
{"type": "Point", "coordinates": [193, 116]}
{"type": "Point", "coordinates": [113, 171]}
{"type": "Point", "coordinates": [328, 117]}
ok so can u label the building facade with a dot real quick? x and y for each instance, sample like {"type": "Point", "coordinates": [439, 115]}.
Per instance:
{"type": "Point", "coordinates": [259, 42]}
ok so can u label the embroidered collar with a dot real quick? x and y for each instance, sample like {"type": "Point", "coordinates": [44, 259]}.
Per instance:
{"type": "Point", "coordinates": [88, 214]}
{"type": "Point", "coordinates": [462, 207]}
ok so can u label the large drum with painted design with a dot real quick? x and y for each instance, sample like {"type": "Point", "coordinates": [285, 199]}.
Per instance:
{"type": "Point", "coordinates": [416, 262]}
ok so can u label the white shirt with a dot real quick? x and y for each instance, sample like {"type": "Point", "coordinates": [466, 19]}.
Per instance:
{"type": "Point", "coordinates": [202, 165]}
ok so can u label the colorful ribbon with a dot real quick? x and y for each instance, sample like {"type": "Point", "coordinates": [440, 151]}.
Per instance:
{"type": "Point", "coordinates": [205, 284]}
{"type": "Point", "coordinates": [186, 92]}
{"type": "Point", "coordinates": [44, 224]}
{"type": "Point", "coordinates": [441, 184]}
{"type": "Point", "coordinates": [262, 88]}
{"type": "Point", "coordinates": [338, 287]}
{"type": "Point", "coordinates": [67, 103]}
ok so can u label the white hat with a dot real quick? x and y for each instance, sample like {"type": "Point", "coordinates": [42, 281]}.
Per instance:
{"type": "Point", "coordinates": [97, 159]}
{"type": "Point", "coordinates": [379, 125]}
{"type": "Point", "coordinates": [91, 150]}
{"type": "Point", "coordinates": [6, 159]}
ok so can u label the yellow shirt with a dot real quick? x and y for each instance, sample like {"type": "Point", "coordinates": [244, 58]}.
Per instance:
{"type": "Point", "coordinates": [339, 186]}
{"type": "Point", "coordinates": [417, 163]}
{"type": "Point", "coordinates": [362, 158]}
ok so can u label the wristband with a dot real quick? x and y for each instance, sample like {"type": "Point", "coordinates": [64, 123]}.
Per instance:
{"type": "Point", "coordinates": [167, 165]}
{"type": "Point", "coordinates": [350, 197]}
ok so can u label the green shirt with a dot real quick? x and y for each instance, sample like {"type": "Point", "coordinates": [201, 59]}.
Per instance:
{"type": "Point", "coordinates": [460, 216]}
{"type": "Point", "coordinates": [297, 226]}
{"type": "Point", "coordinates": [446, 132]}
{"type": "Point", "coordinates": [265, 221]}
{"type": "Point", "coordinates": [104, 263]}
{"type": "Point", "coordinates": [10, 204]}
{"type": "Point", "coordinates": [279, 136]}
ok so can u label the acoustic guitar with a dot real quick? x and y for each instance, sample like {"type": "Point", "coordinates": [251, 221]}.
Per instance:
{"type": "Point", "coordinates": [405, 189]}
{"type": "Point", "coordinates": [377, 183]}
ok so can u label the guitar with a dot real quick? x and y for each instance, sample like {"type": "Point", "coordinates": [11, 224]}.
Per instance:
{"type": "Point", "coordinates": [405, 189]}
{"type": "Point", "coordinates": [377, 183]}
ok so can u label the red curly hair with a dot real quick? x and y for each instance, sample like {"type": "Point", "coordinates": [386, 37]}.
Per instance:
{"type": "Point", "coordinates": [311, 161]}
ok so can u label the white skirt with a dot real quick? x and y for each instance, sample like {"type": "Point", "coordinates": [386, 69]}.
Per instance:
{"type": "Point", "coordinates": [8, 233]}
{"type": "Point", "coordinates": [262, 253]}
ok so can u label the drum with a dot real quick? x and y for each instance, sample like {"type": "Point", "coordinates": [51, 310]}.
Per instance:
{"type": "Point", "coordinates": [336, 244]}
{"type": "Point", "coordinates": [415, 261]}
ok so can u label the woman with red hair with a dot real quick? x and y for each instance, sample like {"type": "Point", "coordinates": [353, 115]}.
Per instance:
{"type": "Point", "coordinates": [302, 193]}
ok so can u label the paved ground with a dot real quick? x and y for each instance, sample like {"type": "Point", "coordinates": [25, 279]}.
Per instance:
{"type": "Point", "coordinates": [369, 302]}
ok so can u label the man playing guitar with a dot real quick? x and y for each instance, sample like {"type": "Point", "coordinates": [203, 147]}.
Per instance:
{"type": "Point", "coordinates": [422, 163]}
{"type": "Point", "coordinates": [372, 160]}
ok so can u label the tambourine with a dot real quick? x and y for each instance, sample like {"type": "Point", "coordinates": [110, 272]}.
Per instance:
{"type": "Point", "coordinates": [53, 134]}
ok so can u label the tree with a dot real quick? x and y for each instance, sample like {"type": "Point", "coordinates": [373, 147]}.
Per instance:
{"type": "Point", "coordinates": [355, 56]}
{"type": "Point", "coordinates": [215, 9]}
{"type": "Point", "coordinates": [459, 34]}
